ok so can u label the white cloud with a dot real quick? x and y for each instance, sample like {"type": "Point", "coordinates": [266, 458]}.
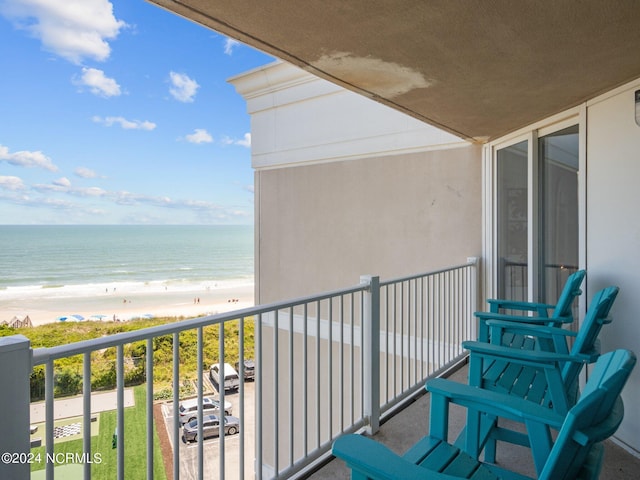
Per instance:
{"type": "Point", "coordinates": [184, 88]}
{"type": "Point", "coordinates": [89, 192]}
{"type": "Point", "coordinates": [200, 135]}
{"type": "Point", "coordinates": [84, 172]}
{"type": "Point", "coordinates": [49, 196]}
{"type": "Point", "coordinates": [11, 183]}
{"type": "Point", "coordinates": [230, 44]}
{"type": "Point", "coordinates": [63, 185]}
{"type": "Point", "coordinates": [62, 182]}
{"type": "Point", "coordinates": [27, 159]}
{"type": "Point", "coordinates": [245, 141]}
{"type": "Point", "coordinates": [124, 123]}
{"type": "Point", "coordinates": [72, 29]}
{"type": "Point", "coordinates": [98, 83]}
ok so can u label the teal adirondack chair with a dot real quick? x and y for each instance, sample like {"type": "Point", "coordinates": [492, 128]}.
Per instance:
{"type": "Point", "coordinates": [576, 453]}
{"type": "Point", "coordinates": [561, 312]}
{"type": "Point", "coordinates": [547, 378]}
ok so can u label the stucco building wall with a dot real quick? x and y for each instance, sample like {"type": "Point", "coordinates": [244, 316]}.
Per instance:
{"type": "Point", "coordinates": [319, 227]}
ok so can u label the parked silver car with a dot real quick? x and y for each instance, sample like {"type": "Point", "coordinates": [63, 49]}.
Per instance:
{"type": "Point", "coordinates": [231, 378]}
{"type": "Point", "coordinates": [210, 427]}
{"type": "Point", "coordinates": [189, 408]}
{"type": "Point", "coordinates": [248, 370]}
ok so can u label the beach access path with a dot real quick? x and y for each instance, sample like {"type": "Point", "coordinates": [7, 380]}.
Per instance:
{"type": "Point", "coordinates": [72, 406]}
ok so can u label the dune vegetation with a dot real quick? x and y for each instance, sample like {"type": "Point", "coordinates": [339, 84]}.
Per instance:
{"type": "Point", "coordinates": [68, 371]}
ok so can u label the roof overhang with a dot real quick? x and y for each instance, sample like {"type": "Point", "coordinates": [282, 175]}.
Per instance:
{"type": "Point", "coordinates": [476, 69]}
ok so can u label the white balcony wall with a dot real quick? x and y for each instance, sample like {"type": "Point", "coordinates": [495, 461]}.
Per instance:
{"type": "Point", "coordinates": [613, 228]}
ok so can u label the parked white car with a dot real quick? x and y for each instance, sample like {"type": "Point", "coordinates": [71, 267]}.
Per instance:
{"type": "Point", "coordinates": [189, 408]}
{"type": "Point", "coordinates": [231, 377]}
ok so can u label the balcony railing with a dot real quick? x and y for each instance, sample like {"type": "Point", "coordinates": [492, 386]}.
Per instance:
{"type": "Point", "coordinates": [326, 365]}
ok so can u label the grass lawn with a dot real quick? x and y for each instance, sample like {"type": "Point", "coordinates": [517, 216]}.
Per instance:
{"type": "Point", "coordinates": [104, 456]}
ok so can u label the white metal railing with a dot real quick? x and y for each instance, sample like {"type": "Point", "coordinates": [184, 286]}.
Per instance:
{"type": "Point", "coordinates": [341, 362]}
{"type": "Point", "coordinates": [325, 365]}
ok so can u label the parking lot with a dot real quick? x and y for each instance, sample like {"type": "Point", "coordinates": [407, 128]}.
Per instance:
{"type": "Point", "coordinates": [189, 451]}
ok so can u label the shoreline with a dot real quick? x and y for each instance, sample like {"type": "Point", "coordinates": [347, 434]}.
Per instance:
{"type": "Point", "coordinates": [126, 304]}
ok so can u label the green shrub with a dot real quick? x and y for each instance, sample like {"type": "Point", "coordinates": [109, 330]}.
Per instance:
{"type": "Point", "coordinates": [68, 371]}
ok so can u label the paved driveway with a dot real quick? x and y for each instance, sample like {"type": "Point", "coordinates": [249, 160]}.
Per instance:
{"type": "Point", "coordinates": [189, 451]}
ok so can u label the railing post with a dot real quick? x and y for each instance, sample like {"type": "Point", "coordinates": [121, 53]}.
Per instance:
{"type": "Point", "coordinates": [371, 350]}
{"type": "Point", "coordinates": [15, 399]}
{"type": "Point", "coordinates": [474, 294]}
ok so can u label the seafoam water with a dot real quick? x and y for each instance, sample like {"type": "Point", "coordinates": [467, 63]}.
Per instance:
{"type": "Point", "coordinates": [69, 261]}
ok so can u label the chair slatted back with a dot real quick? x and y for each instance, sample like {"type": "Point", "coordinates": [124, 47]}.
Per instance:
{"type": "Point", "coordinates": [586, 340]}
{"type": "Point", "coordinates": [570, 291]}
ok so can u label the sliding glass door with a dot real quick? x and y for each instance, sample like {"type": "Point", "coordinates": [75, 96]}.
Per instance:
{"type": "Point", "coordinates": [558, 211]}
{"type": "Point", "coordinates": [536, 215]}
{"type": "Point", "coordinates": [513, 221]}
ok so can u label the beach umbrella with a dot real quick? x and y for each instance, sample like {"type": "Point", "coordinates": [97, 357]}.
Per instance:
{"type": "Point", "coordinates": [63, 318]}
{"type": "Point", "coordinates": [98, 317]}
{"type": "Point", "coordinates": [77, 318]}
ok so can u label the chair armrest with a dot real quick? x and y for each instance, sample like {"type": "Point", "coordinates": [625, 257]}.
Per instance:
{"type": "Point", "coordinates": [375, 461]}
{"type": "Point", "coordinates": [532, 358]}
{"type": "Point", "coordinates": [521, 319]}
{"type": "Point", "coordinates": [542, 308]}
{"type": "Point", "coordinates": [493, 403]}
{"type": "Point", "coordinates": [485, 317]}
{"type": "Point", "coordinates": [531, 330]}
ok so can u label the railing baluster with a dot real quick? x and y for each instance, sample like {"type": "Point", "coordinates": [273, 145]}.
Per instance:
{"type": "Point", "coordinates": [86, 413]}
{"type": "Point", "coordinates": [330, 370]}
{"type": "Point", "coordinates": [150, 428]}
{"type": "Point", "coordinates": [120, 415]}
{"type": "Point", "coordinates": [276, 386]}
{"type": "Point", "coordinates": [241, 394]}
{"type": "Point", "coordinates": [362, 359]}
{"type": "Point", "coordinates": [49, 381]}
{"type": "Point", "coordinates": [318, 383]}
{"type": "Point", "coordinates": [221, 395]}
{"type": "Point", "coordinates": [258, 400]}
{"type": "Point", "coordinates": [422, 324]}
{"type": "Point", "coordinates": [200, 414]}
{"type": "Point", "coordinates": [291, 387]}
{"type": "Point", "coordinates": [176, 400]}
{"type": "Point", "coordinates": [341, 345]}
{"type": "Point", "coordinates": [352, 355]}
{"type": "Point", "coordinates": [305, 380]}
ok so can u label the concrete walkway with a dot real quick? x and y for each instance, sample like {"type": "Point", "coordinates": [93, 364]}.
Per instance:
{"type": "Point", "coordinates": [72, 406]}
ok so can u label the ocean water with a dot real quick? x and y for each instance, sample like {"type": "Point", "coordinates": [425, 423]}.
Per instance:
{"type": "Point", "coordinates": [66, 260]}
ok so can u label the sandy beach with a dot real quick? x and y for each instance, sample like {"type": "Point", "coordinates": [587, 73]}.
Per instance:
{"type": "Point", "coordinates": [123, 304]}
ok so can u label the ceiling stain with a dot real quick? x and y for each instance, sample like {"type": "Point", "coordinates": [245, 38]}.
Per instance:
{"type": "Point", "coordinates": [386, 79]}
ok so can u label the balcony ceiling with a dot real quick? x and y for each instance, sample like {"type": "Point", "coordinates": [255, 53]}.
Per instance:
{"type": "Point", "coordinates": [476, 69]}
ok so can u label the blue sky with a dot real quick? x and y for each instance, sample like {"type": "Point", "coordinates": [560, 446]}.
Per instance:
{"type": "Point", "coordinates": [119, 113]}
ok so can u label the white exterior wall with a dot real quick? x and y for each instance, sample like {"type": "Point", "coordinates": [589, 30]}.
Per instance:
{"type": "Point", "coordinates": [613, 229]}
{"type": "Point", "coordinates": [297, 118]}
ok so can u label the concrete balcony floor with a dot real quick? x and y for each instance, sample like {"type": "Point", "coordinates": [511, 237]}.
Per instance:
{"type": "Point", "coordinates": [409, 425]}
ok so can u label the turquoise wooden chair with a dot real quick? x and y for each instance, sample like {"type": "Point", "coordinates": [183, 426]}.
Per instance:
{"type": "Point", "coordinates": [576, 453]}
{"type": "Point", "coordinates": [547, 378]}
{"type": "Point", "coordinates": [561, 312]}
